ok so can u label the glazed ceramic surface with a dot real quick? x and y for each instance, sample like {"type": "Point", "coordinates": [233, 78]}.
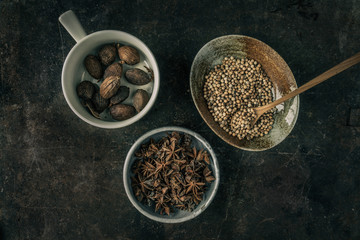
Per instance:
{"type": "Point", "coordinates": [239, 46]}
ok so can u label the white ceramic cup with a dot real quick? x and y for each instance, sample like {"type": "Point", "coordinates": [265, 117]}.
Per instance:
{"type": "Point", "coordinates": [74, 71]}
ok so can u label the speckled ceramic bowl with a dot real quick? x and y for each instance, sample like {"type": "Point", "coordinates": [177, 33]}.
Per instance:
{"type": "Point", "coordinates": [177, 216]}
{"type": "Point", "coordinates": [276, 68]}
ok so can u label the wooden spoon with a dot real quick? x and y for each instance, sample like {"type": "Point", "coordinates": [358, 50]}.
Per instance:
{"type": "Point", "coordinates": [319, 79]}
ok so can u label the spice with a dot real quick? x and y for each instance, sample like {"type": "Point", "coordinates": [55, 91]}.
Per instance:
{"type": "Point", "coordinates": [114, 69]}
{"type": "Point", "coordinates": [232, 89]}
{"type": "Point", "coordinates": [89, 105]}
{"type": "Point", "coordinates": [170, 174]}
{"type": "Point", "coordinates": [85, 89]}
{"type": "Point", "coordinates": [140, 99]}
{"type": "Point", "coordinates": [128, 54]}
{"type": "Point", "coordinates": [107, 54]}
{"type": "Point", "coordinates": [93, 66]}
{"type": "Point", "coordinates": [99, 102]}
{"type": "Point", "coordinates": [109, 90]}
{"type": "Point", "coordinates": [137, 76]}
{"type": "Point", "coordinates": [122, 111]}
{"type": "Point", "coordinates": [120, 95]}
{"type": "Point", "coordinates": [109, 86]}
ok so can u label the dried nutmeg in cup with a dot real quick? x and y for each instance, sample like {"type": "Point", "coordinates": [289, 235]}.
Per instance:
{"type": "Point", "coordinates": [85, 89]}
{"type": "Point", "coordinates": [122, 111]}
{"type": "Point", "coordinates": [114, 69]}
{"type": "Point", "coordinates": [109, 86]}
{"type": "Point", "coordinates": [140, 99]}
{"type": "Point", "coordinates": [112, 92]}
{"type": "Point", "coordinates": [137, 76]}
{"type": "Point", "coordinates": [107, 54]}
{"type": "Point", "coordinates": [112, 57]}
{"type": "Point", "coordinates": [122, 94]}
{"type": "Point", "coordinates": [90, 56]}
{"type": "Point", "coordinates": [93, 66]}
{"type": "Point", "coordinates": [99, 102]}
{"type": "Point", "coordinates": [128, 54]}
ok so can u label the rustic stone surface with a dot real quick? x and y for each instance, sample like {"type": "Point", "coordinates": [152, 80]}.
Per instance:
{"type": "Point", "coordinates": [61, 178]}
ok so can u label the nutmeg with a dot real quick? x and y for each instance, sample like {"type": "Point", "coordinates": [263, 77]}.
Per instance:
{"type": "Point", "coordinates": [85, 89]}
{"type": "Point", "coordinates": [109, 86]}
{"type": "Point", "coordinates": [122, 111]}
{"type": "Point", "coordinates": [107, 54]}
{"type": "Point", "coordinates": [140, 99]}
{"type": "Point", "coordinates": [137, 76]}
{"type": "Point", "coordinates": [89, 105]}
{"type": "Point", "coordinates": [99, 102]}
{"type": "Point", "coordinates": [120, 95]}
{"type": "Point", "coordinates": [93, 66]}
{"type": "Point", "coordinates": [129, 54]}
{"type": "Point", "coordinates": [114, 69]}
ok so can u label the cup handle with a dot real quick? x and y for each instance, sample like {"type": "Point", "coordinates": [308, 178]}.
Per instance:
{"type": "Point", "coordinates": [72, 24]}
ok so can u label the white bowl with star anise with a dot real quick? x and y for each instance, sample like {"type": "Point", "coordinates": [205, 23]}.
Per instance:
{"type": "Point", "coordinates": [171, 174]}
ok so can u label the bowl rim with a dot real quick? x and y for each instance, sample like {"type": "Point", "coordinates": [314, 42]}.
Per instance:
{"type": "Point", "coordinates": [116, 124]}
{"type": "Point", "coordinates": [127, 183]}
{"type": "Point", "coordinates": [297, 97]}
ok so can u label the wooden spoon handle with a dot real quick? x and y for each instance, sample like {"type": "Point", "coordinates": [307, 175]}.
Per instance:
{"type": "Point", "coordinates": [319, 79]}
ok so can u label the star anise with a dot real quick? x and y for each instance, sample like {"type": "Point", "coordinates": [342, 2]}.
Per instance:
{"type": "Point", "coordinates": [207, 175]}
{"type": "Point", "coordinates": [172, 152]}
{"type": "Point", "coordinates": [161, 165]}
{"type": "Point", "coordinates": [142, 183]}
{"type": "Point", "coordinates": [206, 157]}
{"type": "Point", "coordinates": [147, 169]}
{"type": "Point", "coordinates": [138, 193]}
{"type": "Point", "coordinates": [180, 162]}
{"type": "Point", "coordinates": [171, 174]}
{"type": "Point", "coordinates": [161, 199]}
{"type": "Point", "coordinates": [136, 166]}
{"type": "Point", "coordinates": [196, 198]}
{"type": "Point", "coordinates": [193, 185]}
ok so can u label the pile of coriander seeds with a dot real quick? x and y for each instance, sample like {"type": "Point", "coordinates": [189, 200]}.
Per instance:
{"type": "Point", "coordinates": [232, 89]}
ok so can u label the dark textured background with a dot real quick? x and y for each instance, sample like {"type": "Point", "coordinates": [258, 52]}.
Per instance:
{"type": "Point", "coordinates": [61, 178]}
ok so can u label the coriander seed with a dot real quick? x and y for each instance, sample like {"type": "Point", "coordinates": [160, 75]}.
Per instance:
{"type": "Point", "coordinates": [232, 89]}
